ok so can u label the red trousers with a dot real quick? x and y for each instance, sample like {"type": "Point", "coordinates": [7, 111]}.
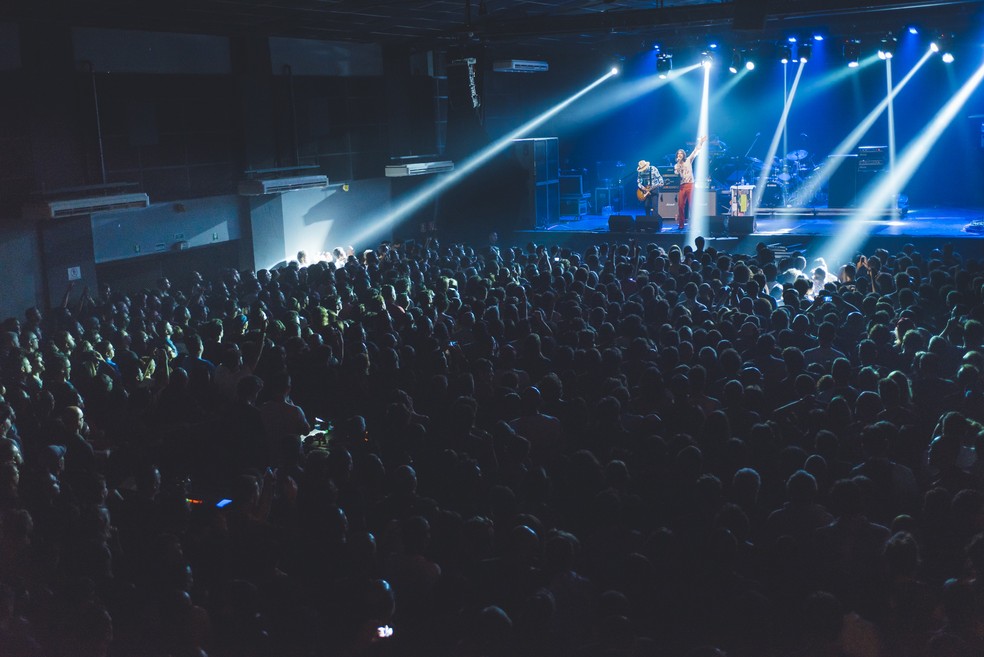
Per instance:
{"type": "Point", "coordinates": [684, 199]}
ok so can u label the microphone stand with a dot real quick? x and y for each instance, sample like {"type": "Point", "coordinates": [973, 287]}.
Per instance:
{"type": "Point", "coordinates": [752, 145]}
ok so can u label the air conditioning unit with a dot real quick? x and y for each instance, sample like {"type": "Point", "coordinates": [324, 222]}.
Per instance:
{"type": "Point", "coordinates": [261, 186]}
{"type": "Point", "coordinates": [57, 209]}
{"type": "Point", "coordinates": [418, 168]}
{"type": "Point", "coordinates": [520, 66]}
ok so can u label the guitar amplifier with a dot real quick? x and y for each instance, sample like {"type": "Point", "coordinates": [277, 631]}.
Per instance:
{"type": "Point", "coordinates": [704, 199]}
{"type": "Point", "coordinates": [671, 181]}
{"type": "Point", "coordinates": [872, 158]}
{"type": "Point", "coordinates": [667, 204]}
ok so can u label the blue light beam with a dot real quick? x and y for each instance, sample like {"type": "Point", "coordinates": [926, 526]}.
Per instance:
{"type": "Point", "coordinates": [776, 137]}
{"type": "Point", "coordinates": [377, 224]}
{"type": "Point", "coordinates": [856, 230]}
{"type": "Point", "coordinates": [698, 215]}
{"type": "Point", "coordinates": [827, 169]}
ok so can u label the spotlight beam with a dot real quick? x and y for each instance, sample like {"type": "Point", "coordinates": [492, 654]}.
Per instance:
{"type": "Point", "coordinates": [383, 220]}
{"type": "Point", "coordinates": [855, 231]}
{"type": "Point", "coordinates": [846, 145]}
{"type": "Point", "coordinates": [776, 136]}
{"type": "Point", "coordinates": [698, 222]}
{"type": "Point", "coordinates": [891, 118]}
{"type": "Point", "coordinates": [623, 94]}
{"type": "Point", "coordinates": [833, 77]}
{"type": "Point", "coordinates": [721, 92]}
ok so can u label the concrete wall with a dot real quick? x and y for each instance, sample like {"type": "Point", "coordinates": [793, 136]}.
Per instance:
{"type": "Point", "coordinates": [164, 226]}
{"type": "Point", "coordinates": [319, 220]}
{"type": "Point", "coordinates": [22, 285]}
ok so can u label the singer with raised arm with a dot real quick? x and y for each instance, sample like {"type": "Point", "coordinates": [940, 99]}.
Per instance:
{"type": "Point", "coordinates": [685, 169]}
{"type": "Point", "coordinates": [649, 181]}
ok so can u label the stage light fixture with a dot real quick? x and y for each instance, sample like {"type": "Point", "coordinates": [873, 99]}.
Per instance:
{"type": "Point", "coordinates": [913, 29]}
{"type": "Point", "coordinates": [944, 44]}
{"type": "Point", "coordinates": [664, 64]}
{"type": "Point", "coordinates": [737, 61]}
{"type": "Point", "coordinates": [749, 65]}
{"type": "Point", "coordinates": [852, 52]}
{"type": "Point", "coordinates": [791, 39]}
{"type": "Point", "coordinates": [785, 53]}
{"type": "Point", "coordinates": [805, 51]}
{"type": "Point", "coordinates": [818, 37]}
{"type": "Point", "coordinates": [886, 49]}
{"type": "Point", "coordinates": [706, 59]}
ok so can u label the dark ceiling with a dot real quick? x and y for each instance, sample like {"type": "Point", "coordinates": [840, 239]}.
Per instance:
{"type": "Point", "coordinates": [543, 23]}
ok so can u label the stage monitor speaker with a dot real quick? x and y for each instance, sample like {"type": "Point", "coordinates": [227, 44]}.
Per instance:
{"type": "Point", "coordinates": [652, 224]}
{"type": "Point", "coordinates": [717, 224]}
{"type": "Point", "coordinates": [842, 188]}
{"type": "Point", "coordinates": [621, 223]}
{"type": "Point", "coordinates": [743, 225]}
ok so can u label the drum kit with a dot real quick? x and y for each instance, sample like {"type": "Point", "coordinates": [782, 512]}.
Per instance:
{"type": "Point", "coordinates": [786, 175]}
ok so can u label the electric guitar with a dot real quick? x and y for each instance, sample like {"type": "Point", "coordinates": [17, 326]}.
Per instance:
{"type": "Point", "coordinates": [643, 194]}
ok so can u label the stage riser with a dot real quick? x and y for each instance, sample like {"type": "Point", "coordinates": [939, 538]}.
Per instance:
{"type": "Point", "coordinates": [825, 213]}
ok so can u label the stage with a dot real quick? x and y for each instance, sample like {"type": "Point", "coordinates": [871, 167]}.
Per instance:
{"type": "Point", "coordinates": [792, 228]}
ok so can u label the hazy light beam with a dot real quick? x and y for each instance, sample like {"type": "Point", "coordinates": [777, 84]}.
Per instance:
{"type": "Point", "coordinates": [856, 229]}
{"type": "Point", "coordinates": [891, 119]}
{"type": "Point", "coordinates": [833, 77]}
{"type": "Point", "coordinates": [721, 92]}
{"type": "Point", "coordinates": [622, 95]}
{"type": "Point", "coordinates": [774, 145]}
{"type": "Point", "coordinates": [376, 224]}
{"type": "Point", "coordinates": [698, 216]}
{"type": "Point", "coordinates": [847, 145]}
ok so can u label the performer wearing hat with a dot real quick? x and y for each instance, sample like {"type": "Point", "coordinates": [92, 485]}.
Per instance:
{"type": "Point", "coordinates": [649, 179]}
{"type": "Point", "coordinates": [684, 168]}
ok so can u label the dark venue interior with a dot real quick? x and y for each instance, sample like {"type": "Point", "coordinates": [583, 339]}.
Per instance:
{"type": "Point", "coordinates": [492, 328]}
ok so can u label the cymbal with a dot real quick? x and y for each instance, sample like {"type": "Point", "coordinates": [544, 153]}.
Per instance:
{"type": "Point", "coordinates": [796, 156]}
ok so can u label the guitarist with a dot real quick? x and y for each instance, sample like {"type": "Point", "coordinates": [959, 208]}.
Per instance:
{"type": "Point", "coordinates": [649, 181]}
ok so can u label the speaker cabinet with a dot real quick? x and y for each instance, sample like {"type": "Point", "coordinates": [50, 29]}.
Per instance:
{"type": "Point", "coordinates": [706, 200]}
{"type": "Point", "coordinates": [717, 224]}
{"type": "Point", "coordinates": [653, 224]}
{"type": "Point", "coordinates": [842, 187]}
{"type": "Point", "coordinates": [667, 205]}
{"type": "Point", "coordinates": [621, 223]}
{"type": "Point", "coordinates": [743, 225]}
{"type": "Point", "coordinates": [864, 182]}
{"type": "Point", "coordinates": [538, 159]}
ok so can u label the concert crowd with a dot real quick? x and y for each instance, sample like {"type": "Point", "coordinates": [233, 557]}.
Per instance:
{"type": "Point", "coordinates": [491, 451]}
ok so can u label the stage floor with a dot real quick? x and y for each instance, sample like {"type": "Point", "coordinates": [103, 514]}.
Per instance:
{"type": "Point", "coordinates": [919, 222]}
{"type": "Point", "coordinates": [800, 229]}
